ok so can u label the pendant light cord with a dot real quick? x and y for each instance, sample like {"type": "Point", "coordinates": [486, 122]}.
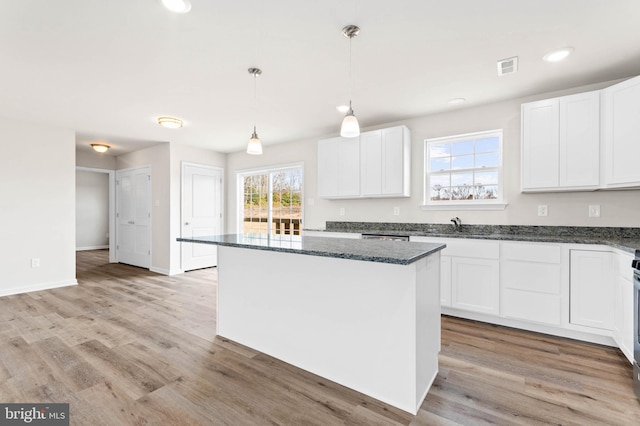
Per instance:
{"type": "Point", "coordinates": [350, 73]}
{"type": "Point", "coordinates": [255, 101]}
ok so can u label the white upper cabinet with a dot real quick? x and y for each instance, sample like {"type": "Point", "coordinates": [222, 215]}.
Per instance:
{"type": "Point", "coordinates": [376, 164]}
{"type": "Point", "coordinates": [339, 168]}
{"type": "Point", "coordinates": [384, 162]}
{"type": "Point", "coordinates": [540, 144]}
{"type": "Point", "coordinates": [561, 143]}
{"type": "Point", "coordinates": [621, 134]}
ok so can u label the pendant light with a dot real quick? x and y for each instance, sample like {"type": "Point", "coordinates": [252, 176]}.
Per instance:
{"type": "Point", "coordinates": [350, 127]}
{"type": "Point", "coordinates": [255, 146]}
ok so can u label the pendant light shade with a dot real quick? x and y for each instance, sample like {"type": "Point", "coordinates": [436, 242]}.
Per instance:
{"type": "Point", "coordinates": [350, 127]}
{"type": "Point", "coordinates": [255, 146]}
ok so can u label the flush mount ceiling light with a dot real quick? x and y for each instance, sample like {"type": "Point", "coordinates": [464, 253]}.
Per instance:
{"type": "Point", "coordinates": [170, 122]}
{"type": "Point", "coordinates": [558, 54]}
{"type": "Point", "coordinates": [177, 6]}
{"type": "Point", "coordinates": [456, 101]}
{"type": "Point", "coordinates": [350, 127]}
{"type": "Point", "coordinates": [100, 147]}
{"type": "Point", "coordinates": [255, 146]}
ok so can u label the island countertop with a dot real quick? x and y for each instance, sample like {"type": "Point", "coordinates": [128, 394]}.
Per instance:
{"type": "Point", "coordinates": [394, 252]}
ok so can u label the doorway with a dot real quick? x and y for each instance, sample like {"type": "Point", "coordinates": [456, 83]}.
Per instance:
{"type": "Point", "coordinates": [133, 216]}
{"type": "Point", "coordinates": [201, 213]}
{"type": "Point", "coordinates": [86, 212]}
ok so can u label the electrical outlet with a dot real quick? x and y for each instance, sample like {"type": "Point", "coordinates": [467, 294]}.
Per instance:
{"type": "Point", "coordinates": [35, 262]}
{"type": "Point", "coordinates": [341, 211]}
{"type": "Point", "coordinates": [543, 210]}
{"type": "Point", "coordinates": [396, 211]}
{"type": "Point", "coordinates": [594, 210]}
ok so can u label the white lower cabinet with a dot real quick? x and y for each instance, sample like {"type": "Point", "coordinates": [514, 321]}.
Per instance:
{"type": "Point", "coordinates": [591, 289]}
{"type": "Point", "coordinates": [475, 285]}
{"type": "Point", "coordinates": [531, 282]}
{"type": "Point", "coordinates": [445, 281]}
{"type": "Point", "coordinates": [623, 305]}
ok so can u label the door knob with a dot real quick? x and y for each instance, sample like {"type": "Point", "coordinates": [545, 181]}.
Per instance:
{"type": "Point", "coordinates": [131, 222]}
{"type": "Point", "coordinates": [186, 223]}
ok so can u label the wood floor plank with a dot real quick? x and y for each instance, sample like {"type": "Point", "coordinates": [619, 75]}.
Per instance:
{"type": "Point", "coordinates": [130, 347]}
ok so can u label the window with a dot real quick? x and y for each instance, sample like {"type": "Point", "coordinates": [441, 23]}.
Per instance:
{"type": "Point", "coordinates": [464, 171]}
{"type": "Point", "coordinates": [272, 201]}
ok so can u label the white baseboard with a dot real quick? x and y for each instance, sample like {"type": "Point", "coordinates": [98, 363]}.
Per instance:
{"type": "Point", "coordinates": [600, 337]}
{"type": "Point", "coordinates": [166, 271]}
{"type": "Point", "coordinates": [37, 287]}
{"type": "Point", "coordinates": [92, 248]}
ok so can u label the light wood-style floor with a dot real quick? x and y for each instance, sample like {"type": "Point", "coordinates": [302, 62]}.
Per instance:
{"type": "Point", "coordinates": [130, 347]}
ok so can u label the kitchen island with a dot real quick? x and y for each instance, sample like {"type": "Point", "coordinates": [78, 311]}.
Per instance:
{"type": "Point", "coordinates": [362, 313]}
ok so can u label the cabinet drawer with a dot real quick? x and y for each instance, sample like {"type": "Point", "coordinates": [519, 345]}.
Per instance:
{"type": "Point", "coordinates": [524, 305]}
{"type": "Point", "coordinates": [473, 249]}
{"type": "Point", "coordinates": [546, 253]}
{"type": "Point", "coordinates": [532, 277]}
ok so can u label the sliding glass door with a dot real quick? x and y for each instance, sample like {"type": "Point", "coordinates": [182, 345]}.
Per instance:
{"type": "Point", "coordinates": [272, 201]}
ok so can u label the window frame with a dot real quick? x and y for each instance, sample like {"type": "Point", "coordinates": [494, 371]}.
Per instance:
{"type": "Point", "coordinates": [268, 170]}
{"type": "Point", "coordinates": [496, 204]}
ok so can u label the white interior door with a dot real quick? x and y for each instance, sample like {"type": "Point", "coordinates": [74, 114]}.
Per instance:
{"type": "Point", "coordinates": [133, 216]}
{"type": "Point", "coordinates": [201, 213]}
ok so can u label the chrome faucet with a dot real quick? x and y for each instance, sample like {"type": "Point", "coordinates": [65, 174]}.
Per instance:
{"type": "Point", "coordinates": [457, 223]}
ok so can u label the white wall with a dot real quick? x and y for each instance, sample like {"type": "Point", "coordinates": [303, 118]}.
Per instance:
{"type": "Point", "coordinates": [180, 154]}
{"type": "Point", "coordinates": [618, 208]}
{"type": "Point", "coordinates": [92, 210]}
{"type": "Point", "coordinates": [95, 160]}
{"type": "Point", "coordinates": [37, 206]}
{"type": "Point", "coordinates": [158, 158]}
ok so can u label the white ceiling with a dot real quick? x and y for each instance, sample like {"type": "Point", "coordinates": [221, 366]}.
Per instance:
{"type": "Point", "coordinates": [108, 68]}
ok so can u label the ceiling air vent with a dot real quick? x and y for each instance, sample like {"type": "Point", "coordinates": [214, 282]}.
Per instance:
{"type": "Point", "coordinates": [507, 66]}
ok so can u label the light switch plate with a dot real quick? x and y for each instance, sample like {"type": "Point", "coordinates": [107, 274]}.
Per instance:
{"type": "Point", "coordinates": [543, 210]}
{"type": "Point", "coordinates": [594, 210]}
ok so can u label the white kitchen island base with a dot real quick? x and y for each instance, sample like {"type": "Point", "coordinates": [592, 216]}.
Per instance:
{"type": "Point", "coordinates": [373, 327]}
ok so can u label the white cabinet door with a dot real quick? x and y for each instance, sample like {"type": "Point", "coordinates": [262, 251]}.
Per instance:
{"type": "Point", "coordinates": [623, 304]}
{"type": "Point", "coordinates": [561, 143]}
{"type": "Point", "coordinates": [475, 285]}
{"type": "Point", "coordinates": [540, 145]}
{"type": "Point", "coordinates": [445, 281]}
{"type": "Point", "coordinates": [339, 168]}
{"type": "Point", "coordinates": [396, 165]}
{"type": "Point", "coordinates": [580, 140]}
{"type": "Point", "coordinates": [371, 162]}
{"type": "Point", "coordinates": [385, 162]}
{"type": "Point", "coordinates": [621, 130]}
{"type": "Point", "coordinates": [591, 288]}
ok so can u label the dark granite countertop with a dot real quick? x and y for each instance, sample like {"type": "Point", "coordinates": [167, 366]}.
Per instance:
{"type": "Point", "coordinates": [625, 239]}
{"type": "Point", "coordinates": [395, 252]}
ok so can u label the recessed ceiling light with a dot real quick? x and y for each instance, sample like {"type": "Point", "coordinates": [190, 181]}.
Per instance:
{"type": "Point", "coordinates": [558, 54]}
{"type": "Point", "coordinates": [170, 122]}
{"type": "Point", "coordinates": [342, 108]}
{"type": "Point", "coordinates": [100, 147]}
{"type": "Point", "coordinates": [456, 101]}
{"type": "Point", "coordinates": [177, 6]}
